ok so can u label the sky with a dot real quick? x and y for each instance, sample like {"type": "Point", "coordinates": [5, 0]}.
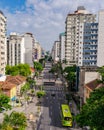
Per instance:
{"type": "Point", "coordinates": [44, 18]}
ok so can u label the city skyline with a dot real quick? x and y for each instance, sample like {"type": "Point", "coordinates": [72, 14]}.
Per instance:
{"type": "Point", "coordinates": [45, 18]}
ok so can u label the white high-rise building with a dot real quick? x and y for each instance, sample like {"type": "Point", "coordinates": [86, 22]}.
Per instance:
{"type": "Point", "coordinates": [20, 49]}
{"type": "Point", "coordinates": [15, 50]}
{"type": "Point", "coordinates": [55, 51]}
{"type": "Point", "coordinates": [100, 56]}
{"type": "Point", "coordinates": [29, 42]}
{"type": "Point", "coordinates": [2, 43]}
{"type": "Point", "coordinates": [62, 47]}
{"type": "Point", "coordinates": [73, 33]}
{"type": "Point", "coordinates": [37, 51]}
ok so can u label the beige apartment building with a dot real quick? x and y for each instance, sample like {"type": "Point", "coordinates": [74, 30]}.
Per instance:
{"type": "Point", "coordinates": [37, 50]}
{"type": "Point", "coordinates": [2, 43]}
{"type": "Point", "coordinates": [73, 35]}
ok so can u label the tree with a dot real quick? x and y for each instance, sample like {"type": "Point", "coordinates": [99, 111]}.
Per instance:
{"type": "Point", "coordinates": [4, 101]}
{"type": "Point", "coordinates": [40, 94]}
{"type": "Point", "coordinates": [31, 82]}
{"type": "Point", "coordinates": [38, 66]}
{"type": "Point", "coordinates": [25, 88]}
{"type": "Point", "coordinates": [15, 121]}
{"type": "Point", "coordinates": [42, 61]}
{"type": "Point", "coordinates": [101, 71]}
{"type": "Point", "coordinates": [21, 69]}
{"type": "Point", "coordinates": [92, 113]}
{"type": "Point", "coordinates": [70, 75]}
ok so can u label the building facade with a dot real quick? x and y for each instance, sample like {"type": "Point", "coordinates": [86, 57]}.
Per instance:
{"type": "Point", "coordinates": [15, 49]}
{"type": "Point", "coordinates": [87, 51]}
{"type": "Point", "coordinates": [62, 47]}
{"type": "Point", "coordinates": [28, 41]}
{"type": "Point", "coordinates": [72, 34]}
{"type": "Point", "coordinates": [2, 43]}
{"type": "Point", "coordinates": [55, 51]}
{"type": "Point", "coordinates": [37, 51]}
{"type": "Point", "coordinates": [20, 49]}
{"type": "Point", "coordinates": [100, 61]}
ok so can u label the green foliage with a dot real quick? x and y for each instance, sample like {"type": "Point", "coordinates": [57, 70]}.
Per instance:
{"type": "Point", "coordinates": [14, 121]}
{"type": "Point", "coordinates": [4, 101]}
{"type": "Point", "coordinates": [56, 68]}
{"type": "Point", "coordinates": [101, 71]}
{"type": "Point", "coordinates": [92, 113]}
{"type": "Point", "coordinates": [40, 94]}
{"type": "Point", "coordinates": [31, 81]}
{"type": "Point", "coordinates": [21, 69]}
{"type": "Point", "coordinates": [42, 61]}
{"type": "Point", "coordinates": [38, 66]}
{"type": "Point", "coordinates": [70, 75]}
{"type": "Point", "coordinates": [25, 88]}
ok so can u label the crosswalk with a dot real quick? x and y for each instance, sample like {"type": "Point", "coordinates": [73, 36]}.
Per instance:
{"type": "Point", "coordinates": [48, 88]}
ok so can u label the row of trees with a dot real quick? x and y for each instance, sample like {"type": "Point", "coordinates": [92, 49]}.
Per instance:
{"type": "Point", "coordinates": [20, 69]}
{"type": "Point", "coordinates": [17, 121]}
{"type": "Point", "coordinates": [69, 73]}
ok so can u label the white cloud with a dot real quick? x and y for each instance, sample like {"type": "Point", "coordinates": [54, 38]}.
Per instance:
{"type": "Point", "coordinates": [46, 19]}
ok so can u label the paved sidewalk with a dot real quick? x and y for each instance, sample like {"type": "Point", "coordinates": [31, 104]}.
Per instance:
{"type": "Point", "coordinates": [32, 111]}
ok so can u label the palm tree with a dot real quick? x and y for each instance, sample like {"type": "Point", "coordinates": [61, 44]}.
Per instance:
{"type": "Point", "coordinates": [14, 121]}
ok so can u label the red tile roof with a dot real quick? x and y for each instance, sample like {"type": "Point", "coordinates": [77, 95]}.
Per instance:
{"type": "Point", "coordinates": [7, 86]}
{"type": "Point", "coordinates": [93, 84]}
{"type": "Point", "coordinates": [12, 81]}
{"type": "Point", "coordinates": [16, 79]}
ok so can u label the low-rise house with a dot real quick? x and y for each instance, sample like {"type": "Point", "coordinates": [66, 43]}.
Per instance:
{"type": "Point", "coordinates": [90, 87]}
{"type": "Point", "coordinates": [19, 81]}
{"type": "Point", "coordinates": [9, 89]}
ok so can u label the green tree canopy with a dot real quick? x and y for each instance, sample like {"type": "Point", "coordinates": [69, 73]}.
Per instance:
{"type": "Point", "coordinates": [25, 88]}
{"type": "Point", "coordinates": [38, 66]}
{"type": "Point", "coordinates": [21, 69]}
{"type": "Point", "coordinates": [101, 71]}
{"type": "Point", "coordinates": [40, 94]}
{"type": "Point", "coordinates": [14, 121]}
{"type": "Point", "coordinates": [4, 101]}
{"type": "Point", "coordinates": [70, 75]}
{"type": "Point", "coordinates": [92, 113]}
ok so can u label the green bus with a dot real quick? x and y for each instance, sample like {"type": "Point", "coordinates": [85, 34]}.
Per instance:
{"type": "Point", "coordinates": [66, 115]}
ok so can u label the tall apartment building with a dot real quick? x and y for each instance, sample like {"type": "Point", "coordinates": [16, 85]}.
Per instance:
{"type": "Point", "coordinates": [62, 47]}
{"type": "Point", "coordinates": [37, 51]}
{"type": "Point", "coordinates": [100, 60]}
{"type": "Point", "coordinates": [29, 41]}
{"type": "Point", "coordinates": [2, 43]}
{"type": "Point", "coordinates": [72, 39]}
{"type": "Point", "coordinates": [20, 49]}
{"type": "Point", "coordinates": [55, 51]}
{"type": "Point", "coordinates": [15, 50]}
{"type": "Point", "coordinates": [87, 51]}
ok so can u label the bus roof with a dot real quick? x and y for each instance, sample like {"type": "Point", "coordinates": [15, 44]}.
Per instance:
{"type": "Point", "coordinates": [66, 110]}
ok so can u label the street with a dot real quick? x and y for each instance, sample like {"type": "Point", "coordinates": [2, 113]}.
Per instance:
{"type": "Point", "coordinates": [50, 118]}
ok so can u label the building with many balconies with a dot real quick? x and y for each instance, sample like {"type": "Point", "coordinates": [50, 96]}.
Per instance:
{"type": "Point", "coordinates": [73, 33]}
{"type": "Point", "coordinates": [2, 43]}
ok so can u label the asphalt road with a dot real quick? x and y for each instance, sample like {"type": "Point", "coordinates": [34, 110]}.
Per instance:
{"type": "Point", "coordinates": [50, 118]}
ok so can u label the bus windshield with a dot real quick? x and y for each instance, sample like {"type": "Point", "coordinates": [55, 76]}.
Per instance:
{"type": "Point", "coordinates": [67, 118]}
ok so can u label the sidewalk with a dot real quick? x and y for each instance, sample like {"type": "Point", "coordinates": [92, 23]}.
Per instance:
{"type": "Point", "coordinates": [32, 111]}
{"type": "Point", "coordinates": [75, 111]}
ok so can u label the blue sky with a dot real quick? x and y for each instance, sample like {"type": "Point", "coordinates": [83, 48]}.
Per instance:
{"type": "Point", "coordinates": [44, 18]}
